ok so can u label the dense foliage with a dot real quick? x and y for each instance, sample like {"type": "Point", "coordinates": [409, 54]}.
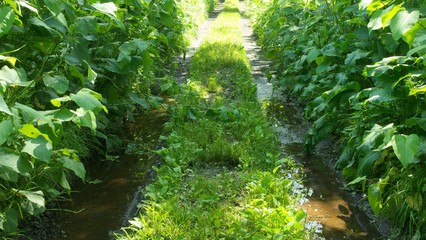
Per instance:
{"type": "Point", "coordinates": [360, 68]}
{"type": "Point", "coordinates": [222, 176]}
{"type": "Point", "coordinates": [67, 69]}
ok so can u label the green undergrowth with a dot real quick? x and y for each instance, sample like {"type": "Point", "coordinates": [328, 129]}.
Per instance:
{"type": "Point", "coordinates": [359, 68]}
{"type": "Point", "coordinates": [222, 176]}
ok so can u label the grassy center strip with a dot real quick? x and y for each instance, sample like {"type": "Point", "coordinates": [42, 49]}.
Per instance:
{"type": "Point", "coordinates": [223, 176]}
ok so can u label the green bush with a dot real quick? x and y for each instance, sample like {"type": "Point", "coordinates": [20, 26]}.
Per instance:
{"type": "Point", "coordinates": [71, 67]}
{"type": "Point", "coordinates": [359, 67]}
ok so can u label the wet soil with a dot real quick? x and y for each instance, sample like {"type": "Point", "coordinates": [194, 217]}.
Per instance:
{"type": "Point", "coordinates": [342, 214]}
{"type": "Point", "coordinates": [96, 210]}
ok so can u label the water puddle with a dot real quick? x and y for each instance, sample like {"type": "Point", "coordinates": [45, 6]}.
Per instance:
{"type": "Point", "coordinates": [338, 211]}
{"type": "Point", "coordinates": [97, 210]}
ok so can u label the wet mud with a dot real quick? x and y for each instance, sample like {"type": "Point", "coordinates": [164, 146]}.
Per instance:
{"type": "Point", "coordinates": [98, 209]}
{"type": "Point", "coordinates": [342, 214]}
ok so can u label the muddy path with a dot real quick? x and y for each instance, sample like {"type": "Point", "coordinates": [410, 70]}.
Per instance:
{"type": "Point", "coordinates": [342, 214]}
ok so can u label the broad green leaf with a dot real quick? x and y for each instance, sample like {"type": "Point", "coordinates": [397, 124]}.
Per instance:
{"type": "Point", "coordinates": [364, 4]}
{"type": "Point", "coordinates": [37, 22]}
{"type": "Point", "coordinates": [6, 128]}
{"type": "Point", "coordinates": [39, 148]}
{"type": "Point", "coordinates": [415, 50]}
{"type": "Point", "coordinates": [32, 132]}
{"type": "Point", "coordinates": [357, 180]}
{"type": "Point", "coordinates": [28, 6]}
{"type": "Point", "coordinates": [421, 122]}
{"type": "Point", "coordinates": [64, 115]}
{"type": "Point", "coordinates": [7, 17]}
{"type": "Point", "coordinates": [86, 100]}
{"type": "Point", "coordinates": [375, 198]}
{"type": "Point", "coordinates": [8, 175]}
{"type": "Point", "coordinates": [166, 19]}
{"type": "Point", "coordinates": [75, 166]}
{"type": "Point", "coordinates": [36, 202]}
{"type": "Point", "coordinates": [9, 221]}
{"type": "Point", "coordinates": [55, 6]}
{"type": "Point", "coordinates": [389, 15]}
{"type": "Point", "coordinates": [15, 6]}
{"type": "Point", "coordinates": [134, 46]}
{"type": "Point", "coordinates": [374, 6]}
{"type": "Point", "coordinates": [30, 114]}
{"type": "Point", "coordinates": [63, 181]}
{"type": "Point", "coordinates": [402, 22]}
{"type": "Point", "coordinates": [365, 164]}
{"type": "Point", "coordinates": [88, 120]}
{"type": "Point", "coordinates": [3, 106]}
{"type": "Point", "coordinates": [312, 55]}
{"type": "Point", "coordinates": [389, 43]}
{"type": "Point", "coordinates": [14, 162]}
{"type": "Point", "coordinates": [91, 75]}
{"type": "Point", "coordinates": [416, 36]}
{"type": "Point", "coordinates": [9, 159]}
{"type": "Point", "coordinates": [58, 83]}
{"type": "Point", "coordinates": [14, 76]}
{"type": "Point", "coordinates": [406, 147]}
{"type": "Point", "coordinates": [142, 102]}
{"type": "Point", "coordinates": [79, 52]}
{"type": "Point", "coordinates": [86, 25]}
{"type": "Point", "coordinates": [352, 57]}
{"type": "Point", "coordinates": [323, 67]}
{"type": "Point", "coordinates": [108, 8]}
{"type": "Point", "coordinates": [375, 21]}
{"type": "Point", "coordinates": [85, 118]}
{"type": "Point", "coordinates": [329, 50]}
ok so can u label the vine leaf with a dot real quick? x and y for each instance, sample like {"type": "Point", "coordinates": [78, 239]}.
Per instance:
{"type": "Point", "coordinates": [58, 83]}
{"type": "Point", "coordinates": [7, 16]}
{"type": "Point", "coordinates": [39, 148]}
{"type": "Point", "coordinates": [352, 57]}
{"type": "Point", "coordinates": [30, 131]}
{"type": "Point", "coordinates": [6, 128]}
{"type": "Point", "coordinates": [14, 162]}
{"type": "Point", "coordinates": [75, 166]}
{"type": "Point", "coordinates": [406, 147]}
{"type": "Point", "coordinates": [3, 106]}
{"type": "Point", "coordinates": [36, 202]}
{"type": "Point", "coordinates": [402, 22]}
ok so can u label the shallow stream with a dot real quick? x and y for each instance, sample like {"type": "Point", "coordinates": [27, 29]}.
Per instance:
{"type": "Point", "coordinates": [342, 214]}
{"type": "Point", "coordinates": [96, 210]}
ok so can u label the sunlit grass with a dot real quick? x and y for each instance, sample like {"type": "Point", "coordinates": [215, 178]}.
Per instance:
{"type": "Point", "coordinates": [223, 176]}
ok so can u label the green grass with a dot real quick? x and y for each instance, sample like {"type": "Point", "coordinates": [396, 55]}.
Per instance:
{"type": "Point", "coordinates": [223, 176]}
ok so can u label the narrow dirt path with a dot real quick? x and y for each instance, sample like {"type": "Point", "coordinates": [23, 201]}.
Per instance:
{"type": "Point", "coordinates": [338, 211]}
{"type": "Point", "coordinates": [184, 60]}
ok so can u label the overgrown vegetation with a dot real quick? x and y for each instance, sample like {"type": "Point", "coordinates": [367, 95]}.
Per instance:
{"type": "Point", "coordinates": [360, 68]}
{"type": "Point", "coordinates": [68, 70]}
{"type": "Point", "coordinates": [222, 176]}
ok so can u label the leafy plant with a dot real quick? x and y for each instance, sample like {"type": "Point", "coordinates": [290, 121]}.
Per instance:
{"type": "Point", "coordinates": [359, 67]}
{"type": "Point", "coordinates": [67, 65]}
